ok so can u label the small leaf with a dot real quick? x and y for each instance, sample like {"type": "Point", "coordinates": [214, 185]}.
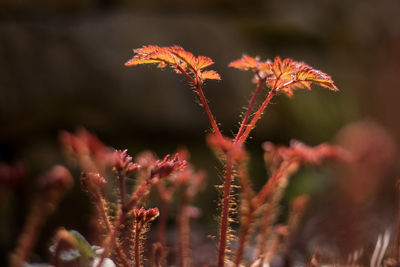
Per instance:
{"type": "Point", "coordinates": [152, 54]}
{"type": "Point", "coordinates": [203, 62]}
{"type": "Point", "coordinates": [210, 74]}
{"type": "Point", "coordinates": [145, 50]}
{"type": "Point", "coordinates": [187, 57]}
{"type": "Point", "coordinates": [245, 63]}
{"type": "Point", "coordinates": [138, 61]}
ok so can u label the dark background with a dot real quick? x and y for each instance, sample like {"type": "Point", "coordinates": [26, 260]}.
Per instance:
{"type": "Point", "coordinates": [62, 66]}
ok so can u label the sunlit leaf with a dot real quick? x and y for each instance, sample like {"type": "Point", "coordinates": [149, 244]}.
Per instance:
{"type": "Point", "coordinates": [203, 62]}
{"type": "Point", "coordinates": [210, 74]}
{"type": "Point", "coordinates": [175, 57]}
{"type": "Point", "coordinates": [245, 63]}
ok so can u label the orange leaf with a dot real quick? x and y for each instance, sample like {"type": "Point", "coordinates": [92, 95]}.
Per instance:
{"type": "Point", "coordinates": [177, 58]}
{"type": "Point", "coordinates": [145, 50]}
{"type": "Point", "coordinates": [203, 62]}
{"type": "Point", "coordinates": [210, 74]}
{"type": "Point", "coordinates": [245, 63]}
{"type": "Point", "coordinates": [152, 54]}
{"type": "Point", "coordinates": [184, 55]}
{"type": "Point", "coordinates": [308, 74]}
{"type": "Point", "coordinates": [289, 75]}
{"type": "Point", "coordinates": [138, 61]}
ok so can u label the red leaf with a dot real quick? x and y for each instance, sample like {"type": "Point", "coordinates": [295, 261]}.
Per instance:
{"type": "Point", "coordinates": [245, 63]}
{"type": "Point", "coordinates": [289, 75]}
{"type": "Point", "coordinates": [177, 58]}
{"type": "Point", "coordinates": [203, 62]}
{"type": "Point", "coordinates": [210, 74]}
{"type": "Point", "coordinates": [184, 55]}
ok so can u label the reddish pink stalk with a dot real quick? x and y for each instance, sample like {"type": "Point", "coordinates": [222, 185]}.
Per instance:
{"type": "Point", "coordinates": [256, 117]}
{"type": "Point", "coordinates": [137, 245]}
{"type": "Point", "coordinates": [284, 170]}
{"type": "Point", "coordinates": [249, 108]}
{"type": "Point", "coordinates": [240, 138]}
{"type": "Point", "coordinates": [197, 85]}
{"type": "Point", "coordinates": [245, 229]}
{"type": "Point", "coordinates": [261, 109]}
{"type": "Point", "coordinates": [224, 213]}
{"type": "Point", "coordinates": [129, 206]}
{"type": "Point", "coordinates": [122, 188]}
{"type": "Point", "coordinates": [103, 214]}
{"type": "Point", "coordinates": [248, 217]}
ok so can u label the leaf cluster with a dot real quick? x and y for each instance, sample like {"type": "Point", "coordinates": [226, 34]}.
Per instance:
{"type": "Point", "coordinates": [177, 58]}
{"type": "Point", "coordinates": [285, 75]}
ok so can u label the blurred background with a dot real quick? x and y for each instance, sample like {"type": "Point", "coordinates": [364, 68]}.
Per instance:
{"type": "Point", "coordinates": [62, 67]}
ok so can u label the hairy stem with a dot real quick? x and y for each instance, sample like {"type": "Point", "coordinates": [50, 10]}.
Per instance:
{"type": "Point", "coordinates": [284, 171]}
{"type": "Point", "coordinates": [197, 85]}
{"type": "Point", "coordinates": [260, 111]}
{"type": "Point", "coordinates": [244, 232]}
{"type": "Point", "coordinates": [225, 213]}
{"type": "Point", "coordinates": [137, 244]}
{"type": "Point", "coordinates": [249, 108]}
{"type": "Point", "coordinates": [103, 214]}
{"type": "Point", "coordinates": [272, 190]}
{"type": "Point", "coordinates": [257, 116]}
{"type": "Point", "coordinates": [265, 229]}
{"type": "Point", "coordinates": [122, 190]}
{"type": "Point", "coordinates": [248, 213]}
{"type": "Point", "coordinates": [136, 197]}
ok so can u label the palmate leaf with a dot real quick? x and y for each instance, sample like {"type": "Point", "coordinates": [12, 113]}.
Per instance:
{"type": "Point", "coordinates": [285, 75]}
{"type": "Point", "coordinates": [175, 57]}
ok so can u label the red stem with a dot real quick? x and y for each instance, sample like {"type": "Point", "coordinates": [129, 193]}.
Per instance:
{"type": "Point", "coordinates": [245, 229]}
{"type": "Point", "coordinates": [137, 244]}
{"type": "Point", "coordinates": [248, 217]}
{"type": "Point", "coordinates": [122, 188]}
{"type": "Point", "coordinates": [261, 109]}
{"type": "Point", "coordinates": [240, 138]}
{"type": "Point", "coordinates": [131, 204]}
{"type": "Point", "coordinates": [257, 116]}
{"type": "Point", "coordinates": [103, 214]}
{"type": "Point", "coordinates": [208, 111]}
{"type": "Point", "coordinates": [249, 108]}
{"type": "Point", "coordinates": [225, 213]}
{"type": "Point", "coordinates": [284, 170]}
{"type": "Point", "coordinates": [197, 85]}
